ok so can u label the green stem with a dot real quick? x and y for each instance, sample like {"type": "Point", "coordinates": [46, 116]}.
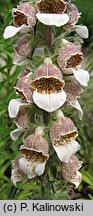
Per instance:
{"type": "Point", "coordinates": [42, 187]}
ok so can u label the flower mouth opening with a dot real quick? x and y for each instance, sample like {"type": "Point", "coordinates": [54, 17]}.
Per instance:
{"type": "Point", "coordinates": [33, 155]}
{"type": "Point", "coordinates": [21, 93]}
{"type": "Point", "coordinates": [74, 60]}
{"type": "Point", "coordinates": [53, 6]}
{"type": "Point", "coordinates": [19, 18]}
{"type": "Point", "coordinates": [49, 85]}
{"type": "Point", "coordinates": [66, 138]}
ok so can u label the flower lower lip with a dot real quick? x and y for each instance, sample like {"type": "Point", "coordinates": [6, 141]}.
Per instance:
{"type": "Point", "coordinates": [49, 102]}
{"type": "Point", "coordinates": [53, 19]}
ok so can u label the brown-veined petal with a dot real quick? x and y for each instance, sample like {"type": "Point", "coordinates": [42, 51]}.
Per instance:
{"type": "Point", "coordinates": [36, 144]}
{"type": "Point", "coordinates": [24, 88]}
{"type": "Point", "coordinates": [32, 168]}
{"type": "Point", "coordinates": [62, 130]}
{"type": "Point", "coordinates": [54, 6]}
{"type": "Point", "coordinates": [69, 57]}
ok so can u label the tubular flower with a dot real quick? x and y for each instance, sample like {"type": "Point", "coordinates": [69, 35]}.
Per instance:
{"type": "Point", "coordinates": [63, 134]}
{"type": "Point", "coordinates": [24, 19]}
{"type": "Point", "coordinates": [69, 57]}
{"type": "Point", "coordinates": [23, 86]}
{"type": "Point", "coordinates": [15, 109]}
{"type": "Point", "coordinates": [74, 16]}
{"type": "Point", "coordinates": [35, 154]}
{"type": "Point", "coordinates": [22, 46]}
{"type": "Point", "coordinates": [52, 12]}
{"type": "Point", "coordinates": [73, 90]}
{"type": "Point", "coordinates": [23, 50]}
{"type": "Point", "coordinates": [33, 158]}
{"type": "Point", "coordinates": [19, 108]}
{"type": "Point", "coordinates": [48, 87]}
{"type": "Point", "coordinates": [69, 60]}
{"type": "Point", "coordinates": [36, 143]}
{"type": "Point", "coordinates": [70, 171]}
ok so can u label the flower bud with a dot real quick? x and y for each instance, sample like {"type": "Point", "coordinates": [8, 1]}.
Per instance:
{"type": "Point", "coordinates": [70, 171]}
{"type": "Point", "coordinates": [74, 15]}
{"type": "Point", "coordinates": [23, 47]}
{"type": "Point", "coordinates": [22, 120]}
{"type": "Point", "coordinates": [32, 167]}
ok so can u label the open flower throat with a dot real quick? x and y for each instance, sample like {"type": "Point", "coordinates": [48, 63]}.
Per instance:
{"type": "Point", "coordinates": [23, 13]}
{"type": "Point", "coordinates": [48, 78]}
{"type": "Point", "coordinates": [33, 155]}
{"type": "Point", "coordinates": [19, 18]}
{"type": "Point", "coordinates": [48, 85]}
{"type": "Point", "coordinates": [51, 6]}
{"type": "Point", "coordinates": [66, 138]}
{"type": "Point", "coordinates": [74, 60]}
